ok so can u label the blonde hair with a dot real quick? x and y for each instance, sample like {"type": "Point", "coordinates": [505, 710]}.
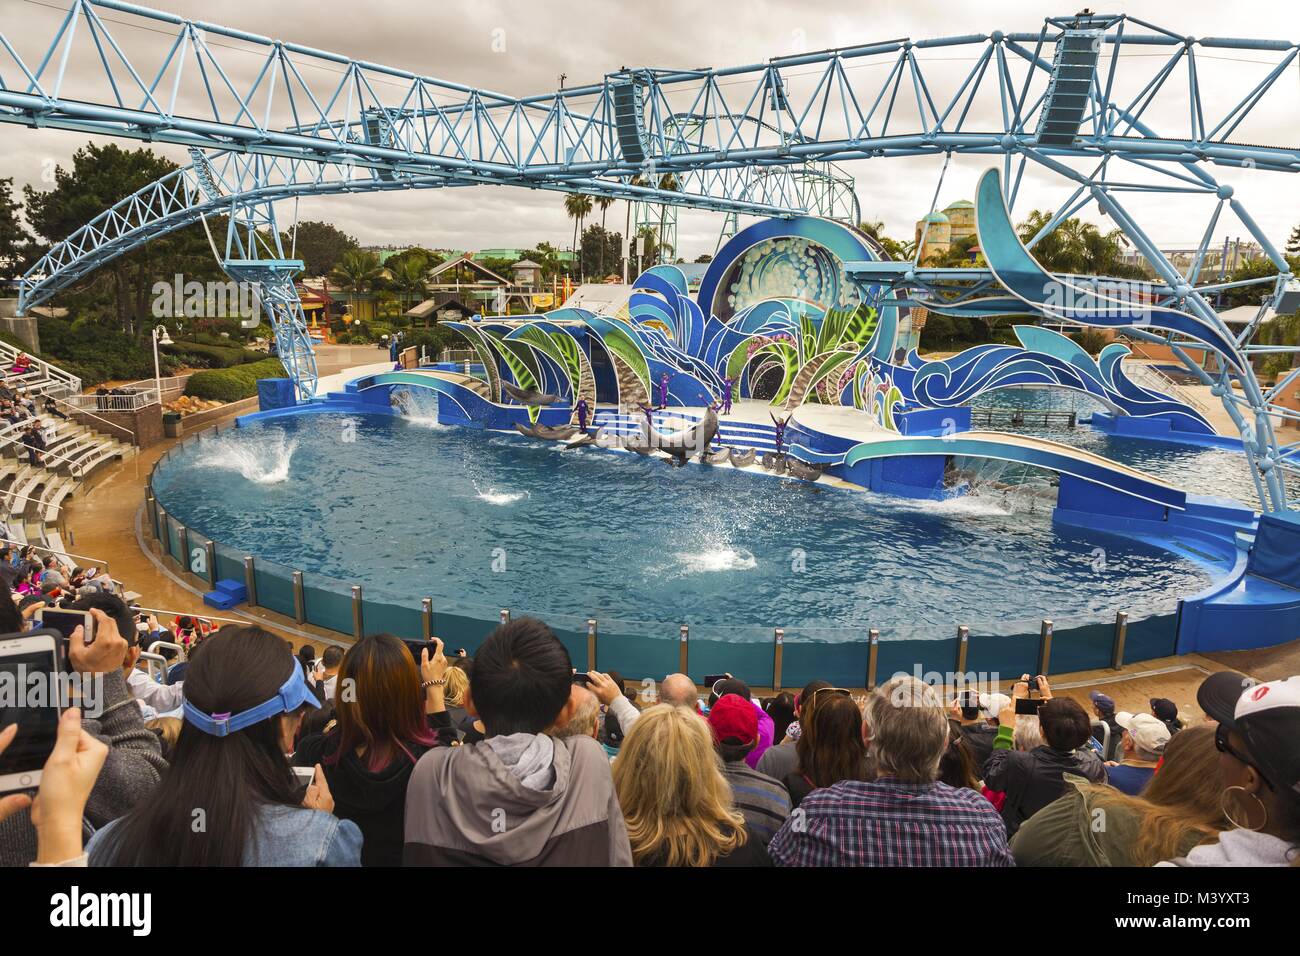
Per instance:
{"type": "Point", "coordinates": [457, 684]}
{"type": "Point", "coordinates": [1182, 799]}
{"type": "Point", "coordinates": [676, 801]}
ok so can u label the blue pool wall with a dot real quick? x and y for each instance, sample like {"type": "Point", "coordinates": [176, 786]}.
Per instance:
{"type": "Point", "coordinates": [1240, 609]}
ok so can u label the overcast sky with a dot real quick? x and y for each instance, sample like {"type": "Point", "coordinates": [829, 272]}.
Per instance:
{"type": "Point", "coordinates": [461, 40]}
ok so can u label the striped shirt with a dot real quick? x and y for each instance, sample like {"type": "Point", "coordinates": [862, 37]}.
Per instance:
{"type": "Point", "coordinates": [888, 823]}
{"type": "Point", "coordinates": [764, 801]}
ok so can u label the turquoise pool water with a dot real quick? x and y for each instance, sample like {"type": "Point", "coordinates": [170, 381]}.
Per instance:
{"type": "Point", "coordinates": [483, 521]}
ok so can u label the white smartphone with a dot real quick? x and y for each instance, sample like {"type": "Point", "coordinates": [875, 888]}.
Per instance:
{"type": "Point", "coordinates": [26, 661]}
{"type": "Point", "coordinates": [304, 775]}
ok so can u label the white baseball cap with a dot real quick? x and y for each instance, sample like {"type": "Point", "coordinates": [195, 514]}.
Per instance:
{"type": "Point", "coordinates": [1148, 732]}
{"type": "Point", "coordinates": [994, 704]}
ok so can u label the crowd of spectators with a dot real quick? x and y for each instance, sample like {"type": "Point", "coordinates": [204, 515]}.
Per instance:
{"type": "Point", "coordinates": [393, 752]}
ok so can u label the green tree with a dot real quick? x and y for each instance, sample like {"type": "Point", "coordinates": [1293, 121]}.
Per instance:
{"type": "Point", "coordinates": [577, 206]}
{"type": "Point", "coordinates": [604, 202]}
{"type": "Point", "coordinates": [1293, 243]}
{"type": "Point", "coordinates": [358, 271]}
{"type": "Point", "coordinates": [101, 176]}
{"type": "Point", "coordinates": [1077, 247]}
{"type": "Point", "coordinates": [598, 246]}
{"type": "Point", "coordinates": [320, 246]}
{"type": "Point", "coordinates": [899, 251]}
{"type": "Point", "coordinates": [14, 238]}
{"type": "Point", "coordinates": [407, 276]}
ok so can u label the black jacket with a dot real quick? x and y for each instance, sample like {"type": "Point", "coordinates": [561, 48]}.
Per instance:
{"type": "Point", "coordinates": [1033, 779]}
{"type": "Point", "coordinates": [374, 800]}
{"type": "Point", "coordinates": [979, 741]}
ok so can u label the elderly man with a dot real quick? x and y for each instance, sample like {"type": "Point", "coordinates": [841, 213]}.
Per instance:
{"type": "Point", "coordinates": [1142, 746]}
{"type": "Point", "coordinates": [906, 816]}
{"type": "Point", "coordinates": [679, 690]}
{"type": "Point", "coordinates": [584, 719]}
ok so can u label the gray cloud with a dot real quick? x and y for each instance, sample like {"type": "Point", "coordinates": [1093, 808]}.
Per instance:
{"type": "Point", "coordinates": [460, 41]}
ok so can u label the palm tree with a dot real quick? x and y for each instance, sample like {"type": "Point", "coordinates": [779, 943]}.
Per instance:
{"type": "Point", "coordinates": [577, 206]}
{"type": "Point", "coordinates": [358, 271]}
{"type": "Point", "coordinates": [407, 276]}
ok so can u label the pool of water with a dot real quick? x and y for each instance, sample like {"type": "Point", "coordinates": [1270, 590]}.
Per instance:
{"type": "Point", "coordinates": [485, 521]}
{"type": "Point", "coordinates": [1203, 471]}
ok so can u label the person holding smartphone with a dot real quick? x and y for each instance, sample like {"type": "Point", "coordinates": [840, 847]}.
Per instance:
{"type": "Point", "coordinates": [245, 697]}
{"type": "Point", "coordinates": [67, 779]}
{"type": "Point", "coordinates": [1034, 778]}
{"type": "Point", "coordinates": [134, 763]}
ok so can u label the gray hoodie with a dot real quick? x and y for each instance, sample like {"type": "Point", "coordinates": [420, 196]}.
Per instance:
{"type": "Point", "coordinates": [495, 803]}
{"type": "Point", "coordinates": [1239, 848]}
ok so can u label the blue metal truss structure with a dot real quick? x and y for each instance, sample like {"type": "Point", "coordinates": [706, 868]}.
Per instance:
{"type": "Point", "coordinates": [1128, 97]}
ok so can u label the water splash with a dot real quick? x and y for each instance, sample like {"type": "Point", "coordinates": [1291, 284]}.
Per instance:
{"type": "Point", "coordinates": [418, 406]}
{"type": "Point", "coordinates": [494, 497]}
{"type": "Point", "coordinates": [264, 461]}
{"type": "Point", "coordinates": [717, 559]}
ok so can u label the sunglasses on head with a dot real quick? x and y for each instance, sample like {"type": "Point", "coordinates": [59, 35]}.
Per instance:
{"type": "Point", "coordinates": [830, 690]}
{"type": "Point", "coordinates": [1224, 745]}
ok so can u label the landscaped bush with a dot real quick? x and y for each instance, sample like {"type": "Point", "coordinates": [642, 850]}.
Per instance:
{"type": "Point", "coordinates": [235, 383]}
{"type": "Point", "coordinates": [94, 353]}
{"type": "Point", "coordinates": [195, 354]}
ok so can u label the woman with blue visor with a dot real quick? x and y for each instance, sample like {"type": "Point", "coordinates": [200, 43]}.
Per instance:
{"type": "Point", "coordinates": [231, 797]}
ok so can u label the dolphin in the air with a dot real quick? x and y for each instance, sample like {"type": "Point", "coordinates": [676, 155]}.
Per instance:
{"type": "Point", "coordinates": [529, 396]}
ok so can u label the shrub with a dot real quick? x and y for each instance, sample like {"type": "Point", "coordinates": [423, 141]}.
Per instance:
{"type": "Point", "coordinates": [200, 354]}
{"type": "Point", "coordinates": [235, 383]}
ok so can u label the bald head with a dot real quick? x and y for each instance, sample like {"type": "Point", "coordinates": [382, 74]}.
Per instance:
{"type": "Point", "coordinates": [678, 690]}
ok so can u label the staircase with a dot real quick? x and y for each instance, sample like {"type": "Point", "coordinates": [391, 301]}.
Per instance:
{"type": "Point", "coordinates": [32, 496]}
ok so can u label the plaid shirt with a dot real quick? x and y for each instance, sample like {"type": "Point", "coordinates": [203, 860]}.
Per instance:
{"type": "Point", "coordinates": [888, 823]}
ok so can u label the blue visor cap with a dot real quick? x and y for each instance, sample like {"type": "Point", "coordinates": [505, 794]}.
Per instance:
{"type": "Point", "coordinates": [294, 693]}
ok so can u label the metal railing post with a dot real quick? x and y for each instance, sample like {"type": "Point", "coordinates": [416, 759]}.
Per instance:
{"type": "Point", "coordinates": [1117, 645]}
{"type": "Point", "coordinates": [591, 643]}
{"type": "Point", "coordinates": [505, 615]}
{"type": "Point", "coordinates": [426, 618]}
{"type": "Point", "coordinates": [162, 535]}
{"type": "Point", "coordinates": [963, 647]}
{"type": "Point", "coordinates": [250, 580]}
{"type": "Point", "coordinates": [778, 651]}
{"type": "Point", "coordinates": [683, 649]}
{"type": "Point", "coordinates": [358, 623]}
{"type": "Point", "coordinates": [299, 599]}
{"type": "Point", "coordinates": [1045, 648]}
{"type": "Point", "coordinates": [210, 549]}
{"type": "Point", "coordinates": [873, 652]}
{"type": "Point", "coordinates": [185, 550]}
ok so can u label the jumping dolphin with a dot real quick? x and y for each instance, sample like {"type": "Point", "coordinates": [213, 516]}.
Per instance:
{"type": "Point", "coordinates": [529, 396]}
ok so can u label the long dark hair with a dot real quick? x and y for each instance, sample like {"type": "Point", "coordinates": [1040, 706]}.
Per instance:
{"type": "Point", "coordinates": [11, 619]}
{"type": "Point", "coordinates": [836, 751]}
{"type": "Point", "coordinates": [781, 709]}
{"type": "Point", "coordinates": [227, 779]}
{"type": "Point", "coordinates": [378, 703]}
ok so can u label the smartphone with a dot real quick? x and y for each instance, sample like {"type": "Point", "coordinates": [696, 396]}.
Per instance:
{"type": "Point", "coordinates": [415, 647]}
{"type": "Point", "coordinates": [304, 775]}
{"type": "Point", "coordinates": [21, 657]}
{"type": "Point", "coordinates": [711, 679]}
{"type": "Point", "coordinates": [1033, 685]}
{"type": "Point", "coordinates": [582, 678]}
{"type": "Point", "coordinates": [65, 623]}
{"type": "Point", "coordinates": [1028, 707]}
{"type": "Point", "coordinates": [969, 701]}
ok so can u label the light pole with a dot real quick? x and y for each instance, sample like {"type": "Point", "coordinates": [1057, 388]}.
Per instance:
{"type": "Point", "coordinates": [158, 339]}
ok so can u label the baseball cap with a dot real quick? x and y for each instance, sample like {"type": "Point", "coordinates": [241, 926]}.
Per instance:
{"type": "Point", "coordinates": [1164, 708]}
{"type": "Point", "coordinates": [734, 720]}
{"type": "Point", "coordinates": [1149, 733]}
{"type": "Point", "coordinates": [994, 704]}
{"type": "Point", "coordinates": [1267, 716]}
{"type": "Point", "coordinates": [1103, 701]}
